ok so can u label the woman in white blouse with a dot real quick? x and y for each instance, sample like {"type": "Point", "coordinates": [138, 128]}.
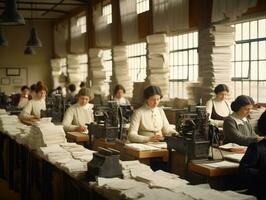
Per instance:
{"type": "Point", "coordinates": [218, 108]}
{"type": "Point", "coordinates": [119, 93]}
{"type": "Point", "coordinates": [79, 114]}
{"type": "Point", "coordinates": [32, 110]}
{"type": "Point", "coordinates": [149, 123]}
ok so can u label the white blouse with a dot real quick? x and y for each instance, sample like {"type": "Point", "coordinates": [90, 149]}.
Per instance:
{"type": "Point", "coordinates": [122, 101]}
{"type": "Point", "coordinates": [77, 116]}
{"type": "Point", "coordinates": [146, 122]}
{"type": "Point", "coordinates": [33, 108]}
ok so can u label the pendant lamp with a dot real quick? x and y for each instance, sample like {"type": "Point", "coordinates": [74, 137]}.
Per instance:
{"type": "Point", "coordinates": [34, 40]}
{"type": "Point", "coordinates": [10, 16]}
{"type": "Point", "coordinates": [29, 51]}
{"type": "Point", "coordinates": [3, 41]}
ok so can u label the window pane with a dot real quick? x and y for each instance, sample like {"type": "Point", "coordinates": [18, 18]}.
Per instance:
{"type": "Point", "coordinates": [262, 49]}
{"type": "Point", "coordinates": [245, 69]}
{"type": "Point", "coordinates": [245, 51]}
{"type": "Point", "coordinates": [253, 29]}
{"type": "Point", "coordinates": [238, 32]}
{"type": "Point", "coordinates": [262, 70]}
{"type": "Point", "coordinates": [142, 6]}
{"type": "Point", "coordinates": [245, 31]}
{"type": "Point", "coordinates": [238, 50]}
{"type": "Point", "coordinates": [254, 71]}
{"type": "Point", "coordinates": [262, 28]}
{"type": "Point", "coordinates": [254, 51]}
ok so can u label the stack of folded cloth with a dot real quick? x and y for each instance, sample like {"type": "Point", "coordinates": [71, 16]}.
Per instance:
{"type": "Point", "coordinates": [8, 124]}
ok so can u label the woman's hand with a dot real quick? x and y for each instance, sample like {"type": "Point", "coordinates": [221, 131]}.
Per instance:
{"type": "Point", "coordinates": [156, 138]}
{"type": "Point", "coordinates": [81, 129]}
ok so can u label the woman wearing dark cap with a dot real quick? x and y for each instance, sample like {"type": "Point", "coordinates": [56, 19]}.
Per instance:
{"type": "Point", "coordinates": [119, 93]}
{"type": "Point", "coordinates": [218, 108]}
{"type": "Point", "coordinates": [149, 123]}
{"type": "Point", "coordinates": [237, 128]}
{"type": "Point", "coordinates": [79, 114]}
{"type": "Point", "coordinates": [253, 164]}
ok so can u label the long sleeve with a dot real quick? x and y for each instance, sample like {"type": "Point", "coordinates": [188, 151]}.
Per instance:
{"type": "Point", "coordinates": [133, 135]}
{"type": "Point", "coordinates": [27, 110]}
{"type": "Point", "coordinates": [209, 106]}
{"type": "Point", "coordinates": [240, 134]}
{"type": "Point", "coordinates": [167, 128]}
{"type": "Point", "coordinates": [68, 119]}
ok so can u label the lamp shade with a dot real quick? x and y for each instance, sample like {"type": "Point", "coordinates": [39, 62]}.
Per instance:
{"type": "Point", "coordinates": [10, 16]}
{"type": "Point", "coordinates": [3, 41]}
{"type": "Point", "coordinates": [29, 51]}
{"type": "Point", "coordinates": [34, 40]}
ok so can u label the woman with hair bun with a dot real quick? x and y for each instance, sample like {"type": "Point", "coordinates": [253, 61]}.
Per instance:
{"type": "Point", "coordinates": [149, 123]}
{"type": "Point", "coordinates": [218, 108]}
{"type": "Point", "coordinates": [32, 111]}
{"type": "Point", "coordinates": [236, 127]}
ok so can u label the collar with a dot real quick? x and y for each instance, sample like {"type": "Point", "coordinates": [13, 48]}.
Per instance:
{"type": "Point", "coordinates": [238, 120]}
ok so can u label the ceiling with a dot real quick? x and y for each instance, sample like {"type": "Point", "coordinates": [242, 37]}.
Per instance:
{"type": "Point", "coordinates": [45, 9]}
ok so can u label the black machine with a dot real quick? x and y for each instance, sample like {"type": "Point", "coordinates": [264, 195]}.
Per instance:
{"type": "Point", "coordinates": [192, 126]}
{"type": "Point", "coordinates": [105, 163]}
{"type": "Point", "coordinates": [109, 121]}
{"type": "Point", "coordinates": [55, 108]}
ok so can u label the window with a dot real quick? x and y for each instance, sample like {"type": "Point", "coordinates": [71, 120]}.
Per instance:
{"type": "Point", "coordinates": [142, 6]}
{"type": "Point", "coordinates": [107, 11]}
{"type": "Point", "coordinates": [82, 24]}
{"type": "Point", "coordinates": [63, 67]}
{"type": "Point", "coordinates": [83, 64]}
{"type": "Point", "coordinates": [183, 63]}
{"type": "Point", "coordinates": [107, 63]}
{"type": "Point", "coordinates": [249, 59]}
{"type": "Point", "coordinates": [137, 61]}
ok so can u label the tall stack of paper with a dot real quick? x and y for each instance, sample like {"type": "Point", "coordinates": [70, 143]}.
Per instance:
{"type": "Point", "coordinates": [121, 69]}
{"type": "Point", "coordinates": [8, 124]}
{"type": "Point", "coordinates": [214, 59]}
{"type": "Point", "coordinates": [73, 69]}
{"type": "Point", "coordinates": [56, 65]}
{"type": "Point", "coordinates": [98, 75]}
{"type": "Point", "coordinates": [158, 67]}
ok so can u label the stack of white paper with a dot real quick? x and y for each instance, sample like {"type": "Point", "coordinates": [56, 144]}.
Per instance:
{"type": "Point", "coordinates": [141, 147]}
{"type": "Point", "coordinates": [214, 61]}
{"type": "Point", "coordinates": [121, 69]}
{"type": "Point", "coordinates": [98, 74]}
{"type": "Point", "coordinates": [8, 124]}
{"type": "Point", "coordinates": [158, 67]}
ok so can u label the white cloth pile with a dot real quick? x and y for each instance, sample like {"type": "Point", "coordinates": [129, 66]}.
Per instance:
{"type": "Point", "coordinates": [158, 66]}
{"type": "Point", "coordinates": [121, 69]}
{"type": "Point", "coordinates": [56, 65]}
{"type": "Point", "coordinates": [97, 71]}
{"type": "Point", "coordinates": [8, 124]}
{"type": "Point", "coordinates": [45, 133]}
{"type": "Point", "coordinates": [157, 185]}
{"type": "Point", "coordinates": [214, 59]}
{"type": "Point", "coordinates": [73, 68]}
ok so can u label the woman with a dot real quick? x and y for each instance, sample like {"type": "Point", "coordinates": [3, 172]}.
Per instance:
{"type": "Point", "coordinates": [218, 108]}
{"type": "Point", "coordinates": [237, 128]}
{"type": "Point", "coordinates": [149, 123]}
{"type": "Point", "coordinates": [119, 93]}
{"type": "Point", "coordinates": [253, 164]}
{"type": "Point", "coordinates": [32, 111]}
{"type": "Point", "coordinates": [21, 100]}
{"type": "Point", "coordinates": [79, 114]}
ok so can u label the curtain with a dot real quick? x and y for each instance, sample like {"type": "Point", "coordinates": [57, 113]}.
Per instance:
{"type": "Point", "coordinates": [170, 15]}
{"type": "Point", "coordinates": [78, 39]}
{"type": "Point", "coordinates": [102, 29]}
{"type": "Point", "coordinates": [129, 20]}
{"type": "Point", "coordinates": [60, 39]}
{"type": "Point", "coordinates": [232, 9]}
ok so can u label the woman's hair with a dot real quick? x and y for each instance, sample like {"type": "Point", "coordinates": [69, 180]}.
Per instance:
{"type": "Point", "coordinates": [33, 87]}
{"type": "Point", "coordinates": [82, 84]}
{"type": "Point", "coordinates": [241, 101]}
{"type": "Point", "coordinates": [221, 88]}
{"type": "Point", "coordinates": [40, 86]}
{"type": "Point", "coordinates": [262, 124]}
{"type": "Point", "coordinates": [24, 87]}
{"type": "Point", "coordinates": [151, 91]}
{"type": "Point", "coordinates": [119, 87]}
{"type": "Point", "coordinates": [72, 87]}
{"type": "Point", "coordinates": [86, 92]}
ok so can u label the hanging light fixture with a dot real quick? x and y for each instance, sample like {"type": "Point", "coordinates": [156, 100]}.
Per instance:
{"type": "Point", "coordinates": [3, 41]}
{"type": "Point", "coordinates": [34, 40]}
{"type": "Point", "coordinates": [10, 16]}
{"type": "Point", "coordinates": [29, 51]}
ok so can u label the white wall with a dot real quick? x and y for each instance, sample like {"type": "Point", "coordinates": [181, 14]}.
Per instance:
{"type": "Point", "coordinates": [13, 55]}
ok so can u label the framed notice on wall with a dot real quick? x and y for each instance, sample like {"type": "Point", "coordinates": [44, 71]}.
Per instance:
{"type": "Point", "coordinates": [12, 71]}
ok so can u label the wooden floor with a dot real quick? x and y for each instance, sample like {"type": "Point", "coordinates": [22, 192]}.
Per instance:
{"type": "Point", "coordinates": [5, 193]}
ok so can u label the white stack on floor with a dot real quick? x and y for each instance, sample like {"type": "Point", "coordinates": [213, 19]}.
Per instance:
{"type": "Point", "coordinates": [56, 65]}
{"type": "Point", "coordinates": [158, 67]}
{"type": "Point", "coordinates": [121, 69]}
{"type": "Point", "coordinates": [214, 61]}
{"type": "Point", "coordinates": [97, 71]}
{"type": "Point", "coordinates": [73, 69]}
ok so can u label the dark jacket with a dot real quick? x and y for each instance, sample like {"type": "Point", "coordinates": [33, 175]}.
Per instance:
{"type": "Point", "coordinates": [252, 169]}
